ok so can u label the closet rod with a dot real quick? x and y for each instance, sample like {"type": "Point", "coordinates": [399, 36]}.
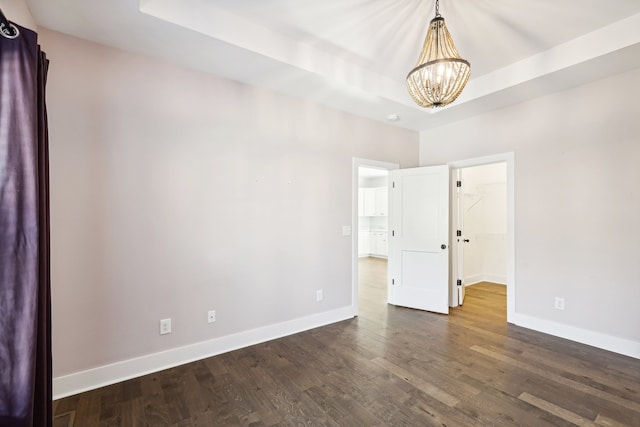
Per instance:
{"type": "Point", "coordinates": [7, 29]}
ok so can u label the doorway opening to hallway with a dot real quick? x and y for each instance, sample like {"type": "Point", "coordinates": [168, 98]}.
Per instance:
{"type": "Point", "coordinates": [373, 235]}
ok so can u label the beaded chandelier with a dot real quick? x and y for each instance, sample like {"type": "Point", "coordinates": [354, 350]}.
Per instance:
{"type": "Point", "coordinates": [440, 74]}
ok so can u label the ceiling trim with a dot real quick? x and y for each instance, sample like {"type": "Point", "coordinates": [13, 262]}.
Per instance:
{"type": "Point", "coordinates": [346, 86]}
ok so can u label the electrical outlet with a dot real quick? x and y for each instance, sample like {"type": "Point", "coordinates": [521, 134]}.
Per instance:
{"type": "Point", "coordinates": [211, 316]}
{"type": "Point", "coordinates": [319, 295]}
{"type": "Point", "coordinates": [559, 303]}
{"type": "Point", "coordinates": [165, 326]}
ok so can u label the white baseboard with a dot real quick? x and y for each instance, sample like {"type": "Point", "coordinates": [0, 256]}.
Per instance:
{"type": "Point", "coordinates": [477, 278]}
{"type": "Point", "coordinates": [120, 371]}
{"type": "Point", "coordinates": [584, 336]}
{"type": "Point", "coordinates": [372, 256]}
{"type": "Point", "coordinates": [472, 279]}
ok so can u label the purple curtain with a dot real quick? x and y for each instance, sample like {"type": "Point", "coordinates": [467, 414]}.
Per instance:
{"type": "Point", "coordinates": [25, 298]}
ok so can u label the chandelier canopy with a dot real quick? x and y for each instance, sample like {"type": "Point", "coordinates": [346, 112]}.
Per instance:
{"type": "Point", "coordinates": [440, 74]}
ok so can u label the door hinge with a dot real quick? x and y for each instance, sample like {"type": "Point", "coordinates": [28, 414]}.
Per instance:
{"type": "Point", "coordinates": [393, 281]}
{"type": "Point", "coordinates": [393, 233]}
{"type": "Point", "coordinates": [458, 183]}
{"type": "Point", "coordinates": [458, 233]}
{"type": "Point", "coordinates": [459, 282]}
{"type": "Point", "coordinates": [393, 184]}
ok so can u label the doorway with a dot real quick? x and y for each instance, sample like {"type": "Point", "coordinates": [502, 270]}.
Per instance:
{"type": "Point", "coordinates": [370, 231]}
{"type": "Point", "coordinates": [508, 159]}
{"type": "Point", "coordinates": [373, 246]}
{"type": "Point", "coordinates": [482, 226]}
{"type": "Point", "coordinates": [492, 235]}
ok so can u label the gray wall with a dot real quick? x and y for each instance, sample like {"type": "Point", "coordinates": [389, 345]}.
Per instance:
{"type": "Point", "coordinates": [174, 192]}
{"type": "Point", "coordinates": [577, 205]}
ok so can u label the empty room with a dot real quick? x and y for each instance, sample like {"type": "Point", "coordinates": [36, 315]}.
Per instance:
{"type": "Point", "coordinates": [344, 213]}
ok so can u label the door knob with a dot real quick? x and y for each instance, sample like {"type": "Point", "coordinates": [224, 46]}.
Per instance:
{"type": "Point", "coordinates": [443, 246]}
{"type": "Point", "coordinates": [466, 240]}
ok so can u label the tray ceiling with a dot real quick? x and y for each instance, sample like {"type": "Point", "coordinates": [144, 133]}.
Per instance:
{"type": "Point", "coordinates": [354, 55]}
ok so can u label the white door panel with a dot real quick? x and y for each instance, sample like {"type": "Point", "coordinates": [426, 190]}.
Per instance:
{"type": "Point", "coordinates": [417, 292]}
{"type": "Point", "coordinates": [419, 217]}
{"type": "Point", "coordinates": [418, 263]}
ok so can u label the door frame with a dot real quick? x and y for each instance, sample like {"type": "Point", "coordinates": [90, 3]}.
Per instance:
{"type": "Point", "coordinates": [355, 185]}
{"type": "Point", "coordinates": [509, 159]}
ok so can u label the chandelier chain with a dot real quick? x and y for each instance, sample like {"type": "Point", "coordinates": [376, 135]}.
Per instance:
{"type": "Point", "coordinates": [437, 8]}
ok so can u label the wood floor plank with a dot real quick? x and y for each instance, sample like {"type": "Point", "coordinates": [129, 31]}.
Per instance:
{"type": "Point", "coordinates": [608, 422]}
{"type": "Point", "coordinates": [389, 366]}
{"type": "Point", "coordinates": [560, 379]}
{"type": "Point", "coordinates": [556, 410]}
{"type": "Point", "coordinates": [417, 382]}
{"type": "Point", "coordinates": [580, 369]}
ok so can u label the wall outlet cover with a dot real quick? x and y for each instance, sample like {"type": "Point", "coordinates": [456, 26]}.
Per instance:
{"type": "Point", "coordinates": [165, 326]}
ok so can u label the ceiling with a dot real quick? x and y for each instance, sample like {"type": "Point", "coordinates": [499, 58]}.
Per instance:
{"type": "Point", "coordinates": [354, 55]}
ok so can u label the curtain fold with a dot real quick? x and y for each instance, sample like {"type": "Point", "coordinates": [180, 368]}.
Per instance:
{"type": "Point", "coordinates": [25, 293]}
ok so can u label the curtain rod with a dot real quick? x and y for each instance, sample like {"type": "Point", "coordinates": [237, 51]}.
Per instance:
{"type": "Point", "coordinates": [7, 29]}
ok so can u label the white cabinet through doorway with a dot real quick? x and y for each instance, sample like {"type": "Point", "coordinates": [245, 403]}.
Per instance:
{"type": "Point", "coordinates": [382, 201]}
{"type": "Point", "coordinates": [373, 243]}
{"type": "Point", "coordinates": [378, 243]}
{"type": "Point", "coordinates": [373, 201]}
{"type": "Point", "coordinates": [368, 201]}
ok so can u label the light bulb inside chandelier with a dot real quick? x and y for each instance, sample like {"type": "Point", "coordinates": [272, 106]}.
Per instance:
{"type": "Point", "coordinates": [440, 74]}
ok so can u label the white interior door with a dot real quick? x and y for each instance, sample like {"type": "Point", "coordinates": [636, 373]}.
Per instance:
{"type": "Point", "coordinates": [419, 238]}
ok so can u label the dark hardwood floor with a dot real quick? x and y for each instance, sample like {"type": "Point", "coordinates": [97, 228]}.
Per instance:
{"type": "Point", "coordinates": [390, 366]}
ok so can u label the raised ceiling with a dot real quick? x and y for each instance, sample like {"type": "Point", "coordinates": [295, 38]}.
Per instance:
{"type": "Point", "coordinates": [354, 55]}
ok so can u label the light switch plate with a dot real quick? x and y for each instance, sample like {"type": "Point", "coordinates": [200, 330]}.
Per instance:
{"type": "Point", "coordinates": [346, 230]}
